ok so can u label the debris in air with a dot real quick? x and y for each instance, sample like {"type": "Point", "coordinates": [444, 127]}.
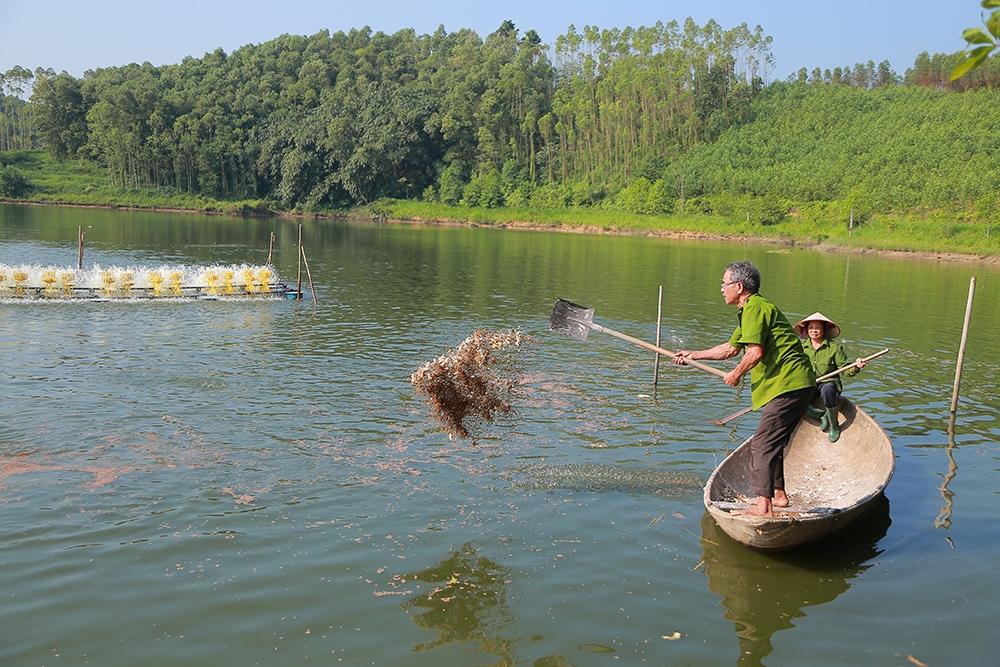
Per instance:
{"type": "Point", "coordinates": [473, 382]}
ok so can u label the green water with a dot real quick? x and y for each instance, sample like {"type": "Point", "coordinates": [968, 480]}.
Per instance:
{"type": "Point", "coordinates": [254, 482]}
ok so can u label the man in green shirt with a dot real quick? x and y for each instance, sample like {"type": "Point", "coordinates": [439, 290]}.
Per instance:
{"type": "Point", "coordinates": [781, 379]}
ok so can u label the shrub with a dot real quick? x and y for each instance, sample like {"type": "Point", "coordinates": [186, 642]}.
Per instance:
{"type": "Point", "coordinates": [660, 199]}
{"type": "Point", "coordinates": [470, 193]}
{"type": "Point", "coordinates": [451, 186]}
{"type": "Point", "coordinates": [634, 198]}
{"type": "Point", "coordinates": [491, 194]}
{"type": "Point", "coordinates": [13, 183]}
{"type": "Point", "coordinates": [770, 209]}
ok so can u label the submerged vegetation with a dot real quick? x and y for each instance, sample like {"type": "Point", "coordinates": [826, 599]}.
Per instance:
{"type": "Point", "coordinates": [669, 127]}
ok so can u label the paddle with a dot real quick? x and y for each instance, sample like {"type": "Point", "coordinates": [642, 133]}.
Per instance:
{"type": "Point", "coordinates": [819, 379]}
{"type": "Point", "coordinates": [577, 321]}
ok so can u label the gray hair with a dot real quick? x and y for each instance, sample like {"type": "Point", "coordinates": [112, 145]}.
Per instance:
{"type": "Point", "coordinates": [746, 273]}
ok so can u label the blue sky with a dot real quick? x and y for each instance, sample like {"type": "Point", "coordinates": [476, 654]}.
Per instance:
{"type": "Point", "coordinates": [77, 35]}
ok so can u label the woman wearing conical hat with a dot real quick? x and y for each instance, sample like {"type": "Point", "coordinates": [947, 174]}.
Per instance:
{"type": "Point", "coordinates": [826, 355]}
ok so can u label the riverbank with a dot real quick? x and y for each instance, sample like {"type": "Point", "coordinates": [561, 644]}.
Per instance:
{"type": "Point", "coordinates": [885, 236]}
{"type": "Point", "coordinates": [926, 234]}
{"type": "Point", "coordinates": [864, 240]}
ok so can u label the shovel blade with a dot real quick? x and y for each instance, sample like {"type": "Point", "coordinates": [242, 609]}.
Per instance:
{"type": "Point", "coordinates": [571, 319]}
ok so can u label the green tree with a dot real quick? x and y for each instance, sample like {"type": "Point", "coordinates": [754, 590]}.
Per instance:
{"type": "Point", "coordinates": [60, 113]}
{"type": "Point", "coordinates": [17, 131]}
{"type": "Point", "coordinates": [981, 41]}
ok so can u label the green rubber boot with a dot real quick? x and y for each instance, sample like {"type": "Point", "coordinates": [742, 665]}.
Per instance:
{"type": "Point", "coordinates": [834, 421]}
{"type": "Point", "coordinates": [816, 413]}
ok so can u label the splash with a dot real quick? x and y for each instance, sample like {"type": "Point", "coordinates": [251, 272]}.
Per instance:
{"type": "Point", "coordinates": [471, 383]}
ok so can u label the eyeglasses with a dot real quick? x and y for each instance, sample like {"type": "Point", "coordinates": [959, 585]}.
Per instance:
{"type": "Point", "coordinates": [723, 284]}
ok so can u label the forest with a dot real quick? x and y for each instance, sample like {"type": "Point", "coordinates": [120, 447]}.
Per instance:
{"type": "Point", "coordinates": [672, 118]}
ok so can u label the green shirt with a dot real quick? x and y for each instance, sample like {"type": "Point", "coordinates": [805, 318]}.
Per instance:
{"type": "Point", "coordinates": [828, 357]}
{"type": "Point", "coordinates": [784, 366]}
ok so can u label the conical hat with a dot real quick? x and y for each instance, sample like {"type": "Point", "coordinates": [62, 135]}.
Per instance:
{"type": "Point", "coordinates": [832, 330]}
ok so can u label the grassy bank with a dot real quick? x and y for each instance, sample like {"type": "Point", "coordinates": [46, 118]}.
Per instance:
{"type": "Point", "coordinates": [80, 183]}
{"type": "Point", "coordinates": [85, 184]}
{"type": "Point", "coordinates": [915, 233]}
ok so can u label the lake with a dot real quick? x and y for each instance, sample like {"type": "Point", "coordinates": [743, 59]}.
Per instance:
{"type": "Point", "coordinates": [256, 482]}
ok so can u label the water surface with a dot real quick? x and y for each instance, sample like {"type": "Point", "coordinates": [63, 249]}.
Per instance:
{"type": "Point", "coordinates": [254, 482]}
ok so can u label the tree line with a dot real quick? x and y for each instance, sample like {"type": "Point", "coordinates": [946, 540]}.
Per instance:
{"type": "Point", "coordinates": [623, 118]}
{"type": "Point", "coordinates": [332, 120]}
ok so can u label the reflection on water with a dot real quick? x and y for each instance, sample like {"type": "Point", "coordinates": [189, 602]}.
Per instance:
{"type": "Point", "coordinates": [764, 593]}
{"type": "Point", "coordinates": [468, 601]}
{"type": "Point", "coordinates": [943, 519]}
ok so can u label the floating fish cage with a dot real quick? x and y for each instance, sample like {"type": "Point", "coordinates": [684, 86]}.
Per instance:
{"type": "Point", "coordinates": [137, 282]}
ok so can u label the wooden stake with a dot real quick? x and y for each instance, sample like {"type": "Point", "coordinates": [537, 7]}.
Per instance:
{"type": "Point", "coordinates": [850, 227]}
{"type": "Point", "coordinates": [270, 250]}
{"type": "Point", "coordinates": [309, 273]}
{"type": "Point", "coordinates": [961, 347]}
{"type": "Point", "coordinates": [298, 287]}
{"type": "Point", "coordinates": [659, 319]}
{"type": "Point", "coordinates": [81, 235]}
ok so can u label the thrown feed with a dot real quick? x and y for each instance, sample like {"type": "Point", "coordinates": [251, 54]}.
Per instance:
{"type": "Point", "coordinates": [473, 382]}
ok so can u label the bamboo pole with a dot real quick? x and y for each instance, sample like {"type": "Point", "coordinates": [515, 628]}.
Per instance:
{"type": "Point", "coordinates": [659, 320]}
{"type": "Point", "coordinates": [821, 378]}
{"type": "Point", "coordinates": [270, 250]}
{"type": "Point", "coordinates": [961, 347]}
{"type": "Point", "coordinates": [733, 416]}
{"type": "Point", "coordinates": [80, 236]}
{"type": "Point", "coordinates": [298, 287]}
{"type": "Point", "coordinates": [309, 273]}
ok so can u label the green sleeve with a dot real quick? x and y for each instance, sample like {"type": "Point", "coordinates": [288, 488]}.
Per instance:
{"type": "Point", "coordinates": [734, 340]}
{"type": "Point", "coordinates": [752, 329]}
{"type": "Point", "coordinates": [842, 361]}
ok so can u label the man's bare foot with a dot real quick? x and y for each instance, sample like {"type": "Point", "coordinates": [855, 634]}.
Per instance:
{"type": "Point", "coordinates": [780, 499]}
{"type": "Point", "coordinates": [762, 508]}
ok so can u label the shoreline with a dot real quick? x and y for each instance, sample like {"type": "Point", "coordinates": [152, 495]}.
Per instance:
{"type": "Point", "coordinates": [955, 257]}
{"type": "Point", "coordinates": [944, 256]}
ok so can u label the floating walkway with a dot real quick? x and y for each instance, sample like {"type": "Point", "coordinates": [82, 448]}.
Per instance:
{"type": "Point", "coordinates": [136, 282]}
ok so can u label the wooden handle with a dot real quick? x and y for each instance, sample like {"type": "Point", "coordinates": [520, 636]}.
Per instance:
{"type": "Point", "coordinates": [655, 348]}
{"type": "Point", "coordinates": [850, 366]}
{"type": "Point", "coordinates": [733, 416]}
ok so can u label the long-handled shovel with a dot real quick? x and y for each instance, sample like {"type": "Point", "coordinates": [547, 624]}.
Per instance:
{"type": "Point", "coordinates": [822, 378]}
{"type": "Point", "coordinates": [577, 321]}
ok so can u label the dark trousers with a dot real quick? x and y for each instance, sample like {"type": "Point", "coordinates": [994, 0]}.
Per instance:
{"type": "Point", "coordinates": [828, 390]}
{"type": "Point", "coordinates": [777, 421]}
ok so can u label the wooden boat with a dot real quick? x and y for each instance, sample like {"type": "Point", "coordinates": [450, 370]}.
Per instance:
{"type": "Point", "coordinates": [830, 486]}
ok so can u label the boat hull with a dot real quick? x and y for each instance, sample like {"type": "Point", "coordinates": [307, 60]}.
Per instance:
{"type": "Point", "coordinates": [830, 486]}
